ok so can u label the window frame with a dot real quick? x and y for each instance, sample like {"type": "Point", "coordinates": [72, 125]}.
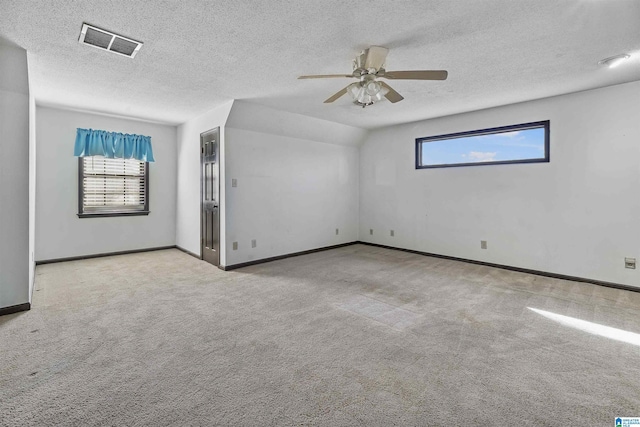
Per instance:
{"type": "Point", "coordinates": [82, 214]}
{"type": "Point", "coordinates": [545, 124]}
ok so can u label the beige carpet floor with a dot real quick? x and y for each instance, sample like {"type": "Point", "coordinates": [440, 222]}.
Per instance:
{"type": "Point", "coordinates": [356, 336]}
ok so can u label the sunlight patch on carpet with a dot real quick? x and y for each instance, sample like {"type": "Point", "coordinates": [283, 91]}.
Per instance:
{"type": "Point", "coordinates": [592, 328]}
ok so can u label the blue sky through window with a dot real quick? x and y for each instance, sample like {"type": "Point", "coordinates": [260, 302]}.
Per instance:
{"type": "Point", "coordinates": [521, 144]}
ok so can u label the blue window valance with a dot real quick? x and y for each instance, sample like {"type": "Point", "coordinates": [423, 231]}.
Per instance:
{"type": "Point", "coordinates": [112, 145]}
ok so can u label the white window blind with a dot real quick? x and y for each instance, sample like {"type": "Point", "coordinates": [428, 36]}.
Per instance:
{"type": "Point", "coordinates": [113, 185]}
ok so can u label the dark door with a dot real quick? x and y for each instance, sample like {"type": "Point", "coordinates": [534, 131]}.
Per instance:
{"type": "Point", "coordinates": [210, 196]}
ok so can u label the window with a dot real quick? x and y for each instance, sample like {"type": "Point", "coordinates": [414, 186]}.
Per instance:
{"type": "Point", "coordinates": [112, 187]}
{"type": "Point", "coordinates": [524, 143]}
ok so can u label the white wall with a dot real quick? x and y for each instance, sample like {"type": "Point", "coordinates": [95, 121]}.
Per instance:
{"type": "Point", "coordinates": [291, 194]}
{"type": "Point", "coordinates": [14, 176]}
{"type": "Point", "coordinates": [32, 192]}
{"type": "Point", "coordinates": [59, 231]}
{"type": "Point", "coordinates": [297, 181]}
{"type": "Point", "coordinates": [188, 177]}
{"type": "Point", "coordinates": [577, 215]}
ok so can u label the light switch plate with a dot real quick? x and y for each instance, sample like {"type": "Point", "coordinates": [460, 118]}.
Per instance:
{"type": "Point", "coordinates": [630, 263]}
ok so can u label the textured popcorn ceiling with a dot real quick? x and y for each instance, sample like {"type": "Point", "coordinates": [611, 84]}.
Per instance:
{"type": "Point", "coordinates": [200, 54]}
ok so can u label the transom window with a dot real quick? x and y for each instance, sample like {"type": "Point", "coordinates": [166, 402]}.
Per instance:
{"type": "Point", "coordinates": [523, 143]}
{"type": "Point", "coordinates": [112, 187]}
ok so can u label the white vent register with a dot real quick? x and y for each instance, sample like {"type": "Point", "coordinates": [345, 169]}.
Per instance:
{"type": "Point", "coordinates": [106, 40]}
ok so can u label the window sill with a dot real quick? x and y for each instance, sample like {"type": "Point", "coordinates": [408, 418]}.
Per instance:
{"type": "Point", "coordinates": [504, 162]}
{"type": "Point", "coordinates": [111, 214]}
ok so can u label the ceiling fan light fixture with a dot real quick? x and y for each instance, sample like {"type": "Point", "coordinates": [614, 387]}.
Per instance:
{"type": "Point", "coordinates": [367, 67]}
{"type": "Point", "coordinates": [614, 61]}
{"type": "Point", "coordinates": [364, 98]}
{"type": "Point", "coordinates": [372, 87]}
{"type": "Point", "coordinates": [365, 93]}
{"type": "Point", "coordinates": [354, 89]}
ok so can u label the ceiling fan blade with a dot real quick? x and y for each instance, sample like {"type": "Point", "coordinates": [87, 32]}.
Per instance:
{"type": "Point", "coordinates": [325, 76]}
{"type": "Point", "coordinates": [391, 94]}
{"type": "Point", "coordinates": [336, 95]}
{"type": "Point", "coordinates": [416, 75]}
{"type": "Point", "coordinates": [376, 55]}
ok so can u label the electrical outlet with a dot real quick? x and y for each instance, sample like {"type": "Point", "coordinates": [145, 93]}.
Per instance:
{"type": "Point", "coordinates": [234, 182]}
{"type": "Point", "coordinates": [253, 243]}
{"type": "Point", "coordinates": [392, 233]}
{"type": "Point", "coordinates": [630, 263]}
{"type": "Point", "coordinates": [371, 231]}
{"type": "Point", "coordinates": [235, 246]}
{"type": "Point", "coordinates": [337, 231]}
{"type": "Point", "coordinates": [483, 244]}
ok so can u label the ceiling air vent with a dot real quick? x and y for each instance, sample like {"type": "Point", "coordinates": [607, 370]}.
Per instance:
{"type": "Point", "coordinates": [106, 40]}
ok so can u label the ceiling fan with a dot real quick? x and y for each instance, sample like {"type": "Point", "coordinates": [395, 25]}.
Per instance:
{"type": "Point", "coordinates": [368, 67]}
